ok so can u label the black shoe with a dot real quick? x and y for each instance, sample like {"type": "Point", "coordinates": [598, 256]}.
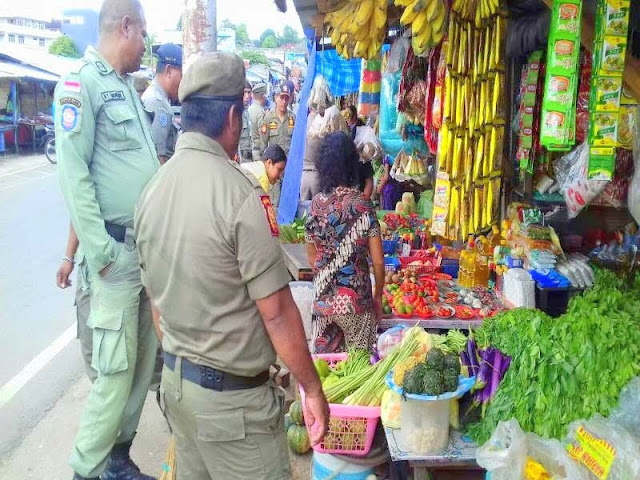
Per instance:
{"type": "Point", "coordinates": [121, 467]}
{"type": "Point", "coordinates": [78, 477]}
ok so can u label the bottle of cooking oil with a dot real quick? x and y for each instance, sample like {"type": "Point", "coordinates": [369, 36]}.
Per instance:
{"type": "Point", "coordinates": [481, 263]}
{"type": "Point", "coordinates": [494, 240]}
{"type": "Point", "coordinates": [467, 264]}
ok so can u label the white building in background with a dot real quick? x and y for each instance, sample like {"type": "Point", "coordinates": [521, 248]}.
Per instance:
{"type": "Point", "coordinates": [19, 26]}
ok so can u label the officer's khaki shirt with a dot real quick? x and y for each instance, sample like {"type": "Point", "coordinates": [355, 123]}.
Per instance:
{"type": "Point", "coordinates": [105, 152]}
{"type": "Point", "coordinates": [256, 114]}
{"type": "Point", "coordinates": [276, 132]}
{"type": "Point", "coordinates": [208, 245]}
{"type": "Point", "coordinates": [164, 134]}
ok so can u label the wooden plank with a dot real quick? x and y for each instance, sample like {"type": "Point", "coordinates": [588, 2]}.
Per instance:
{"type": "Point", "coordinates": [631, 74]}
{"type": "Point", "coordinates": [296, 261]}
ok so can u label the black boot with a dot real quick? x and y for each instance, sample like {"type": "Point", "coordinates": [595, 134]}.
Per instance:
{"type": "Point", "coordinates": [121, 467]}
{"type": "Point", "coordinates": [79, 477]}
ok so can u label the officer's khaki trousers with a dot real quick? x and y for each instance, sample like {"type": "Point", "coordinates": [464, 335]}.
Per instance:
{"type": "Point", "coordinates": [229, 435]}
{"type": "Point", "coordinates": [124, 353]}
{"type": "Point", "coordinates": [85, 334]}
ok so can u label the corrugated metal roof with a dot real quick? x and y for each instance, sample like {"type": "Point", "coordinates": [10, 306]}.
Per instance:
{"type": "Point", "coordinates": [15, 71]}
{"type": "Point", "coordinates": [39, 59]}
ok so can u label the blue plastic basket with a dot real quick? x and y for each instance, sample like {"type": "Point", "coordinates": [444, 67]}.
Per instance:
{"type": "Point", "coordinates": [389, 247]}
{"type": "Point", "coordinates": [391, 264]}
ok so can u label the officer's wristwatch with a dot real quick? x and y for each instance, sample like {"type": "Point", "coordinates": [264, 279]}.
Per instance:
{"type": "Point", "coordinates": [69, 259]}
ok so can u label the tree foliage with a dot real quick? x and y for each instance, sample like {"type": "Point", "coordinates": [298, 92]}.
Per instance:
{"type": "Point", "coordinates": [269, 42]}
{"type": "Point", "coordinates": [269, 32]}
{"type": "Point", "coordinates": [65, 47]}
{"type": "Point", "coordinates": [242, 35]}
{"type": "Point", "coordinates": [289, 36]}
{"type": "Point", "coordinates": [147, 58]}
{"type": "Point", "coordinates": [255, 57]}
{"type": "Point", "coordinates": [226, 23]}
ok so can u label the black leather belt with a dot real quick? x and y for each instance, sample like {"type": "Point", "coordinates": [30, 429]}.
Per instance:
{"type": "Point", "coordinates": [213, 379]}
{"type": "Point", "coordinates": [309, 170]}
{"type": "Point", "coordinates": [246, 153]}
{"type": "Point", "coordinates": [117, 232]}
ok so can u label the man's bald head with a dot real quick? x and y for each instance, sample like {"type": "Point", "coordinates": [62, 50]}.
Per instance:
{"type": "Point", "coordinates": [113, 11]}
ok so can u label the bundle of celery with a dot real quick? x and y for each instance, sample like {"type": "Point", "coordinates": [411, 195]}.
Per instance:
{"type": "Point", "coordinates": [365, 386]}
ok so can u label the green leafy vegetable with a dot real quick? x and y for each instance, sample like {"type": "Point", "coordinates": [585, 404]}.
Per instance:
{"type": "Point", "coordinates": [566, 368]}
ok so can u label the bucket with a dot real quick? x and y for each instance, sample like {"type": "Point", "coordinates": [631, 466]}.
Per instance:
{"type": "Point", "coordinates": [329, 467]}
{"type": "Point", "coordinates": [424, 426]}
{"type": "Point", "coordinates": [424, 423]}
{"type": "Point", "coordinates": [302, 293]}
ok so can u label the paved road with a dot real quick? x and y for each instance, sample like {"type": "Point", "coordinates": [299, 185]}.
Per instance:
{"type": "Point", "coordinates": [36, 317]}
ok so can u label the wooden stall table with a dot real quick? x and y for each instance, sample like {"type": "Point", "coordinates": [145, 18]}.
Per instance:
{"type": "Point", "coordinates": [295, 258]}
{"type": "Point", "coordinates": [459, 455]}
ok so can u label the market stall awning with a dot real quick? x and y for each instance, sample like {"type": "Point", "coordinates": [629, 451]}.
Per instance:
{"type": "Point", "coordinates": [306, 9]}
{"type": "Point", "coordinates": [16, 71]}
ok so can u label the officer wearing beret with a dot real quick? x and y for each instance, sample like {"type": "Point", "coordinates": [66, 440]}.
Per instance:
{"type": "Point", "coordinates": [244, 147]}
{"type": "Point", "coordinates": [106, 156]}
{"type": "Point", "coordinates": [158, 97]}
{"type": "Point", "coordinates": [277, 126]}
{"type": "Point", "coordinates": [213, 267]}
{"type": "Point", "coordinates": [257, 110]}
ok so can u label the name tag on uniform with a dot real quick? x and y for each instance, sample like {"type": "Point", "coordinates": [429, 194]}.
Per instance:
{"type": "Point", "coordinates": [113, 95]}
{"type": "Point", "coordinates": [271, 215]}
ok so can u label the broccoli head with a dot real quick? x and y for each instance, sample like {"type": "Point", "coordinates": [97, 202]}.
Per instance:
{"type": "Point", "coordinates": [450, 380]}
{"type": "Point", "coordinates": [433, 383]}
{"type": "Point", "coordinates": [452, 362]}
{"type": "Point", "coordinates": [414, 379]}
{"type": "Point", "coordinates": [435, 358]}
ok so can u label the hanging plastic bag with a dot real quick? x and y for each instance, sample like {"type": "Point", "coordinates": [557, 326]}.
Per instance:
{"type": "Point", "coordinates": [634, 186]}
{"type": "Point", "coordinates": [397, 55]}
{"type": "Point", "coordinates": [367, 144]}
{"type": "Point", "coordinates": [425, 204]}
{"type": "Point", "coordinates": [604, 448]}
{"type": "Point", "coordinates": [505, 454]}
{"type": "Point", "coordinates": [627, 414]}
{"type": "Point", "coordinates": [551, 454]}
{"type": "Point", "coordinates": [571, 173]}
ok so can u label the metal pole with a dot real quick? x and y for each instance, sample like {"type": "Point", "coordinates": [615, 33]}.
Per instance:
{"type": "Point", "coordinates": [199, 29]}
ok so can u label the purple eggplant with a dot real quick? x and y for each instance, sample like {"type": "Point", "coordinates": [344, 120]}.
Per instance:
{"type": "Point", "coordinates": [496, 374]}
{"type": "Point", "coordinates": [472, 351]}
{"type": "Point", "coordinates": [485, 371]}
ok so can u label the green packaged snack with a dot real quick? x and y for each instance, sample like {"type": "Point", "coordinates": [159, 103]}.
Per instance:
{"type": "Point", "coordinates": [563, 57]}
{"type": "Point", "coordinates": [602, 163]}
{"type": "Point", "coordinates": [604, 129]}
{"type": "Point", "coordinates": [561, 89]}
{"type": "Point", "coordinates": [611, 56]}
{"type": "Point", "coordinates": [568, 16]}
{"type": "Point", "coordinates": [554, 128]}
{"type": "Point", "coordinates": [616, 17]}
{"type": "Point", "coordinates": [608, 90]}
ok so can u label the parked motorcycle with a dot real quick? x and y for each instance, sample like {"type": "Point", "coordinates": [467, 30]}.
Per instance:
{"type": "Point", "coordinates": [49, 141]}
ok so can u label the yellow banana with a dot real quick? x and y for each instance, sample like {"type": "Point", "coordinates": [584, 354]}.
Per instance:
{"type": "Point", "coordinates": [432, 9]}
{"type": "Point", "coordinates": [402, 3]}
{"type": "Point", "coordinates": [477, 163]}
{"type": "Point", "coordinates": [380, 14]}
{"type": "Point", "coordinates": [419, 23]}
{"type": "Point", "coordinates": [411, 12]}
{"type": "Point", "coordinates": [437, 23]}
{"type": "Point", "coordinates": [364, 12]}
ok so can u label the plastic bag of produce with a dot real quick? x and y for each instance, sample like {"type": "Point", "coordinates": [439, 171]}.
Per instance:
{"type": "Point", "coordinates": [551, 454]}
{"type": "Point", "coordinates": [604, 449]}
{"type": "Point", "coordinates": [505, 454]}
{"type": "Point", "coordinates": [571, 173]}
{"type": "Point", "coordinates": [390, 409]}
{"type": "Point", "coordinates": [627, 415]}
{"type": "Point", "coordinates": [367, 143]}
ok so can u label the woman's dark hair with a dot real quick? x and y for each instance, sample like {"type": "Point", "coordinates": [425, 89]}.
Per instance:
{"type": "Point", "coordinates": [207, 116]}
{"type": "Point", "coordinates": [338, 162]}
{"type": "Point", "coordinates": [275, 153]}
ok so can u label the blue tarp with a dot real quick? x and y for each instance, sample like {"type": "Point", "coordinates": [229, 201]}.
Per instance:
{"type": "Point", "coordinates": [342, 76]}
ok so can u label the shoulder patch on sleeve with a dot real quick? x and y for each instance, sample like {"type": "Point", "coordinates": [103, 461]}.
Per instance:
{"type": "Point", "coordinates": [292, 121]}
{"type": "Point", "coordinates": [271, 215]}
{"type": "Point", "coordinates": [264, 128]}
{"type": "Point", "coordinates": [163, 119]}
{"type": "Point", "coordinates": [72, 85]}
{"type": "Point", "coordinates": [70, 117]}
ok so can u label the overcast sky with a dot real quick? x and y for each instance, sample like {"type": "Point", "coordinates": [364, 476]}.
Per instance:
{"type": "Point", "coordinates": [164, 14]}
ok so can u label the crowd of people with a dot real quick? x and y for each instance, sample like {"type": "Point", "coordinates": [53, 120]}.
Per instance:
{"type": "Point", "coordinates": [181, 284]}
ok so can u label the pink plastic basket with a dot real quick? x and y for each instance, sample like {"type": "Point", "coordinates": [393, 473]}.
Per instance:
{"type": "Point", "coordinates": [351, 428]}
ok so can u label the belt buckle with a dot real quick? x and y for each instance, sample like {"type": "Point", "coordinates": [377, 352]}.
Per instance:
{"type": "Point", "coordinates": [210, 378]}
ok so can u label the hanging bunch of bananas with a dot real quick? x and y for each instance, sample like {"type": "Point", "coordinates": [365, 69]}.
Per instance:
{"type": "Point", "coordinates": [472, 134]}
{"type": "Point", "coordinates": [358, 28]}
{"type": "Point", "coordinates": [427, 21]}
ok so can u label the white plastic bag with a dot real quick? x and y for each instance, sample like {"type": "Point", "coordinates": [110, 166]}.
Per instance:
{"type": "Point", "coordinates": [605, 449]}
{"type": "Point", "coordinates": [627, 414]}
{"type": "Point", "coordinates": [367, 144]}
{"type": "Point", "coordinates": [571, 173]}
{"type": "Point", "coordinates": [551, 454]}
{"type": "Point", "coordinates": [332, 121]}
{"type": "Point", "coordinates": [505, 454]}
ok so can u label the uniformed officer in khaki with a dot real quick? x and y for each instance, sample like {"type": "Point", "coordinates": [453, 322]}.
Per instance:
{"type": "Point", "coordinates": [158, 97]}
{"type": "Point", "coordinates": [277, 126]}
{"type": "Point", "coordinates": [212, 263]}
{"type": "Point", "coordinates": [244, 146]}
{"type": "Point", "coordinates": [106, 156]}
{"type": "Point", "coordinates": [257, 110]}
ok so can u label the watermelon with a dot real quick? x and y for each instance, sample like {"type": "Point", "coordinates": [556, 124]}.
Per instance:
{"type": "Point", "coordinates": [295, 412]}
{"type": "Point", "coordinates": [298, 439]}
